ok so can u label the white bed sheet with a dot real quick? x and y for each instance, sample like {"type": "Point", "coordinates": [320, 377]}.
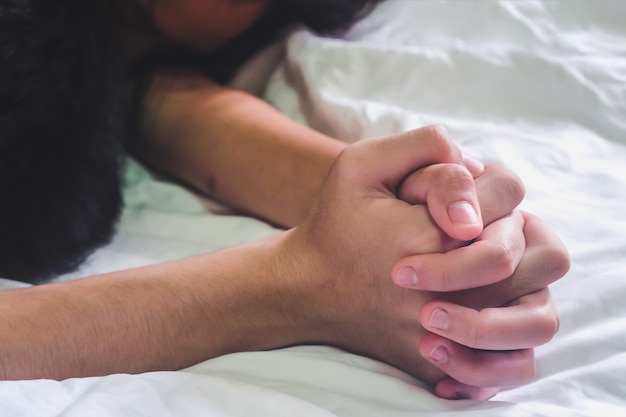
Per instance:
{"type": "Point", "coordinates": [537, 86]}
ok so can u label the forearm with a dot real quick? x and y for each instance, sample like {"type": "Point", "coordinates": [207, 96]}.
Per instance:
{"type": "Point", "coordinates": [234, 147]}
{"type": "Point", "coordinates": [160, 317]}
{"type": "Point", "coordinates": [326, 281]}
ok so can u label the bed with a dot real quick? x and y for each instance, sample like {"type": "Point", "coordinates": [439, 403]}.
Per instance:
{"type": "Point", "coordinates": [539, 86]}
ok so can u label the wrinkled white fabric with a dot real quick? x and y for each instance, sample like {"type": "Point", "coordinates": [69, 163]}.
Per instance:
{"type": "Point", "coordinates": [537, 86]}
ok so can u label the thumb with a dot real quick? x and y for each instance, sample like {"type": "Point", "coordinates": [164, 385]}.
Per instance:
{"type": "Point", "coordinates": [387, 161]}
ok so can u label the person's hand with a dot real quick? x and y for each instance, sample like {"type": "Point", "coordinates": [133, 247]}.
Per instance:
{"type": "Point", "coordinates": [485, 347]}
{"type": "Point", "coordinates": [358, 230]}
{"type": "Point", "coordinates": [480, 345]}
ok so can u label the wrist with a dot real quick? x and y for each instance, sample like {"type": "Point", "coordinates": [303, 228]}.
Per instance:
{"type": "Point", "coordinates": [305, 290]}
{"type": "Point", "coordinates": [268, 296]}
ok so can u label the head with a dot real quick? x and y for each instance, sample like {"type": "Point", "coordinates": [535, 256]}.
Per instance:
{"type": "Point", "coordinates": [61, 114]}
{"type": "Point", "coordinates": [59, 128]}
{"type": "Point", "coordinates": [206, 25]}
{"type": "Point", "coordinates": [327, 17]}
{"type": "Point", "coordinates": [203, 25]}
{"type": "Point", "coordinates": [217, 36]}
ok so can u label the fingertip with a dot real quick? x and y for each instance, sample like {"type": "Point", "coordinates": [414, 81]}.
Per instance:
{"type": "Point", "coordinates": [465, 221]}
{"type": "Point", "coordinates": [451, 389]}
{"type": "Point", "coordinates": [499, 190]}
{"type": "Point", "coordinates": [430, 348]}
{"type": "Point", "coordinates": [435, 317]}
{"type": "Point", "coordinates": [473, 165]}
{"type": "Point", "coordinates": [463, 213]}
{"type": "Point", "coordinates": [405, 277]}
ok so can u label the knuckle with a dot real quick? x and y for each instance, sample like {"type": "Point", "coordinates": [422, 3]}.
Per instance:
{"type": "Point", "coordinates": [446, 280]}
{"type": "Point", "coordinates": [529, 372]}
{"type": "Point", "coordinates": [476, 337]}
{"type": "Point", "coordinates": [510, 185]}
{"type": "Point", "coordinates": [560, 262]}
{"type": "Point", "coordinates": [435, 241]}
{"type": "Point", "coordinates": [519, 368]}
{"type": "Point", "coordinates": [514, 187]}
{"type": "Point", "coordinates": [439, 132]}
{"type": "Point", "coordinates": [548, 328]}
{"type": "Point", "coordinates": [440, 141]}
{"type": "Point", "coordinates": [553, 264]}
{"type": "Point", "coordinates": [503, 259]}
{"type": "Point", "coordinates": [456, 178]}
{"type": "Point", "coordinates": [554, 259]}
{"type": "Point", "coordinates": [479, 331]}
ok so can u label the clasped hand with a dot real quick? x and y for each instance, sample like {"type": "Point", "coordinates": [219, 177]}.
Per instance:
{"type": "Point", "coordinates": [467, 300]}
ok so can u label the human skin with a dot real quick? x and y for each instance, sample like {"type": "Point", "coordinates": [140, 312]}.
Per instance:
{"type": "Point", "coordinates": [256, 178]}
{"type": "Point", "coordinates": [201, 134]}
{"type": "Point", "coordinates": [203, 25]}
{"type": "Point", "coordinates": [233, 147]}
{"type": "Point", "coordinates": [515, 326]}
{"type": "Point", "coordinates": [251, 297]}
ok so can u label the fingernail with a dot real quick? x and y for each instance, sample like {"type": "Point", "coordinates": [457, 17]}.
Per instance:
{"type": "Point", "coordinates": [406, 277]}
{"type": "Point", "coordinates": [462, 212]}
{"type": "Point", "coordinates": [439, 319]}
{"type": "Point", "coordinates": [473, 165]}
{"type": "Point", "coordinates": [459, 395]}
{"type": "Point", "coordinates": [439, 354]}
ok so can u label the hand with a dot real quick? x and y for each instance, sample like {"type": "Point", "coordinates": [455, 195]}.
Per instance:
{"type": "Point", "coordinates": [358, 230]}
{"type": "Point", "coordinates": [525, 249]}
{"type": "Point", "coordinates": [504, 336]}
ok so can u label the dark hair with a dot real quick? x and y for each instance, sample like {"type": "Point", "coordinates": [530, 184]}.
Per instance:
{"type": "Point", "coordinates": [60, 121]}
{"type": "Point", "coordinates": [325, 17]}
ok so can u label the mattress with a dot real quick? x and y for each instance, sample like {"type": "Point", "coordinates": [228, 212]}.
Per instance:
{"type": "Point", "coordinates": [538, 86]}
